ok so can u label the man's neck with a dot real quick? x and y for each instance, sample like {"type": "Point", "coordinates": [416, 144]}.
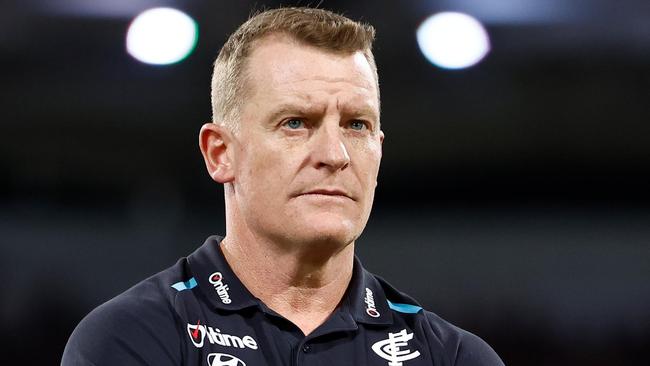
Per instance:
{"type": "Point", "coordinates": [295, 284]}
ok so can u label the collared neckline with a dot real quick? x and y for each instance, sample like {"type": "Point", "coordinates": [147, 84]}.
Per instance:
{"type": "Point", "coordinates": [364, 299]}
{"type": "Point", "coordinates": [216, 279]}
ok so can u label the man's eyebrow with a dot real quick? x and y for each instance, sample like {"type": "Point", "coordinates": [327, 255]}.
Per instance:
{"type": "Point", "coordinates": [287, 109]}
{"type": "Point", "coordinates": [365, 111]}
{"type": "Point", "coordinates": [305, 109]}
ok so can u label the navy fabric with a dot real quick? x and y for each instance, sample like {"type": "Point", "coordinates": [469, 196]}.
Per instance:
{"type": "Point", "coordinates": [198, 313]}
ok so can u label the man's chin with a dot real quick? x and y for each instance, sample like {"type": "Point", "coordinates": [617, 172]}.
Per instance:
{"type": "Point", "coordinates": [322, 229]}
{"type": "Point", "coordinates": [334, 232]}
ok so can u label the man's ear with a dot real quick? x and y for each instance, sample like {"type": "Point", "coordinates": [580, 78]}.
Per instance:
{"type": "Point", "coordinates": [214, 141]}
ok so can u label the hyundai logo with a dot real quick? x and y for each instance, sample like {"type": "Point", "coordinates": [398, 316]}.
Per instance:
{"type": "Point", "coordinates": [222, 359]}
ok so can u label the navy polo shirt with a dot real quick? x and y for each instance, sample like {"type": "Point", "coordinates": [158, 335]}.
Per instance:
{"type": "Point", "coordinates": [198, 313]}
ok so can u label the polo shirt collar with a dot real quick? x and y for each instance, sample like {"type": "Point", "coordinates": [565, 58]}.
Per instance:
{"type": "Point", "coordinates": [216, 279]}
{"type": "Point", "coordinates": [364, 299]}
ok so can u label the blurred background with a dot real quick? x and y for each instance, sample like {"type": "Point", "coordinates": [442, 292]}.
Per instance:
{"type": "Point", "coordinates": [513, 196]}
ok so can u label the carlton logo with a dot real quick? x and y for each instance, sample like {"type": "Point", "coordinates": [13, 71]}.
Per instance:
{"type": "Point", "coordinates": [216, 279]}
{"type": "Point", "coordinates": [391, 349]}
{"type": "Point", "coordinates": [222, 359]}
{"type": "Point", "coordinates": [370, 304]}
{"type": "Point", "coordinates": [198, 333]}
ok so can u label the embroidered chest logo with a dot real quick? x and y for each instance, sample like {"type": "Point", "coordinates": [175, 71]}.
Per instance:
{"type": "Point", "coordinates": [223, 359]}
{"type": "Point", "coordinates": [370, 304]}
{"type": "Point", "coordinates": [216, 279]}
{"type": "Point", "coordinates": [389, 349]}
{"type": "Point", "coordinates": [199, 332]}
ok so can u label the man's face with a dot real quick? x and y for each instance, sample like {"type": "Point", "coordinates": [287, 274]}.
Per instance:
{"type": "Point", "coordinates": [308, 147]}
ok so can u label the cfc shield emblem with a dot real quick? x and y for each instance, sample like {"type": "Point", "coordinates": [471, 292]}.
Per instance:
{"type": "Point", "coordinates": [391, 349]}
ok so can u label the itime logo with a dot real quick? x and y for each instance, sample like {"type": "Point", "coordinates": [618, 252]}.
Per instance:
{"type": "Point", "coordinates": [199, 332]}
{"type": "Point", "coordinates": [216, 279]}
{"type": "Point", "coordinates": [389, 349]}
{"type": "Point", "coordinates": [370, 304]}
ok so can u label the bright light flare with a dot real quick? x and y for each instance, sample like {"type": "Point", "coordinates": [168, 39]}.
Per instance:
{"type": "Point", "coordinates": [161, 36]}
{"type": "Point", "coordinates": [453, 40]}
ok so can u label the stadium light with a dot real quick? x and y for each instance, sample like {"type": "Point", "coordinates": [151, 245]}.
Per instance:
{"type": "Point", "coordinates": [161, 36]}
{"type": "Point", "coordinates": [452, 40]}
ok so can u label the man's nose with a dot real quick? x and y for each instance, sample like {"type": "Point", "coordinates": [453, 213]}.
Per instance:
{"type": "Point", "coordinates": [329, 148]}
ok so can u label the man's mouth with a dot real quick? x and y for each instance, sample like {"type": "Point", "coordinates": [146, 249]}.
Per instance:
{"type": "Point", "coordinates": [334, 192]}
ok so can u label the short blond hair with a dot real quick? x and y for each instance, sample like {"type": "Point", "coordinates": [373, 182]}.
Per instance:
{"type": "Point", "coordinates": [314, 27]}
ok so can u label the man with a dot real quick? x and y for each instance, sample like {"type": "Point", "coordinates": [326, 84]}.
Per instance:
{"type": "Point", "coordinates": [296, 142]}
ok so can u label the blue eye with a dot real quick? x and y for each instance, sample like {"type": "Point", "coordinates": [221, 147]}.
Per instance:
{"type": "Point", "coordinates": [294, 124]}
{"type": "Point", "coordinates": [357, 125]}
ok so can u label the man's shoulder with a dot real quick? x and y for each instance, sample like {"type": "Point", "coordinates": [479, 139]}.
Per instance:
{"type": "Point", "coordinates": [459, 347]}
{"type": "Point", "coordinates": [466, 348]}
{"type": "Point", "coordinates": [148, 300]}
{"type": "Point", "coordinates": [137, 327]}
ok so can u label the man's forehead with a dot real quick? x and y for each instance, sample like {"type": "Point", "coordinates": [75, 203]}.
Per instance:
{"type": "Point", "coordinates": [279, 60]}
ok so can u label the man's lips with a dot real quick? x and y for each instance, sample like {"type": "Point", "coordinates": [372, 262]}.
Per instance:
{"type": "Point", "coordinates": [334, 192]}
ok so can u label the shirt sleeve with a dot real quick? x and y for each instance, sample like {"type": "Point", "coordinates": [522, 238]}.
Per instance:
{"type": "Point", "coordinates": [126, 331]}
{"type": "Point", "coordinates": [473, 351]}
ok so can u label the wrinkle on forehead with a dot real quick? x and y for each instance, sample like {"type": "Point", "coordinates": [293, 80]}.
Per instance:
{"type": "Point", "coordinates": [318, 88]}
{"type": "Point", "coordinates": [352, 103]}
{"type": "Point", "coordinates": [327, 79]}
